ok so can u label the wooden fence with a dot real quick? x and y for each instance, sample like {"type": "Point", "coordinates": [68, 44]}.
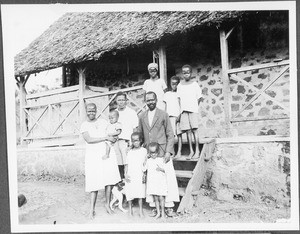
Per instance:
{"type": "Point", "coordinates": [53, 117]}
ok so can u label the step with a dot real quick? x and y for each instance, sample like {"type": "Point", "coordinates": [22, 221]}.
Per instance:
{"type": "Point", "coordinates": [184, 174]}
{"type": "Point", "coordinates": [184, 158]}
{"type": "Point", "coordinates": [181, 191]}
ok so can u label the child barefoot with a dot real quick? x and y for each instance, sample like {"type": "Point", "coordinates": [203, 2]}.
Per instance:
{"type": "Point", "coordinates": [173, 109]}
{"type": "Point", "coordinates": [156, 179]}
{"type": "Point", "coordinates": [135, 188]}
{"type": "Point", "coordinates": [114, 129]}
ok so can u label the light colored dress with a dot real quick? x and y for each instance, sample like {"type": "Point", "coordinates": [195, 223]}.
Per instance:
{"type": "Point", "coordinates": [156, 180]}
{"type": "Point", "coordinates": [135, 188]}
{"type": "Point", "coordinates": [98, 172]}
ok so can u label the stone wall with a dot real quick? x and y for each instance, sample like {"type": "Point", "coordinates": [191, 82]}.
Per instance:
{"type": "Point", "coordinates": [257, 172]}
{"type": "Point", "coordinates": [56, 162]}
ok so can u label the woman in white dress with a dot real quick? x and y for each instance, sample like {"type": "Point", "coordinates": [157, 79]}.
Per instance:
{"type": "Point", "coordinates": [100, 173]}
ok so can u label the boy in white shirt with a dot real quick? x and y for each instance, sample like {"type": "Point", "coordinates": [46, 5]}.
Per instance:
{"type": "Point", "coordinates": [156, 85]}
{"type": "Point", "coordinates": [173, 109]}
{"type": "Point", "coordinates": [189, 94]}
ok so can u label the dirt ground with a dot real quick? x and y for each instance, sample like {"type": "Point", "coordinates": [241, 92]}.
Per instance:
{"type": "Point", "coordinates": [61, 202]}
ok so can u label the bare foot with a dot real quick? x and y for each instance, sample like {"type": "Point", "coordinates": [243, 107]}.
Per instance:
{"type": "Point", "coordinates": [142, 215]}
{"type": "Point", "coordinates": [105, 157]}
{"type": "Point", "coordinates": [108, 210]}
{"type": "Point", "coordinates": [157, 216]}
{"type": "Point", "coordinates": [178, 155]}
{"type": "Point", "coordinates": [196, 155]}
{"type": "Point", "coordinates": [190, 156]}
{"type": "Point", "coordinates": [92, 215]}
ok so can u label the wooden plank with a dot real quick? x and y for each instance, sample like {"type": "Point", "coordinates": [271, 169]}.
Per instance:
{"type": "Point", "coordinates": [36, 121]}
{"type": "Point", "coordinates": [257, 90]}
{"type": "Point", "coordinates": [112, 92]}
{"type": "Point", "coordinates": [53, 92]}
{"type": "Point", "coordinates": [97, 89]}
{"type": "Point", "coordinates": [263, 89]}
{"type": "Point", "coordinates": [184, 158]}
{"type": "Point", "coordinates": [52, 136]}
{"type": "Point", "coordinates": [259, 66]}
{"type": "Point", "coordinates": [107, 104]}
{"type": "Point", "coordinates": [225, 79]}
{"type": "Point", "coordinates": [260, 118]}
{"type": "Point", "coordinates": [51, 103]}
{"type": "Point", "coordinates": [65, 117]}
{"type": "Point", "coordinates": [162, 56]}
{"type": "Point", "coordinates": [184, 174]}
{"type": "Point", "coordinates": [141, 108]}
{"type": "Point", "coordinates": [195, 182]}
{"type": "Point", "coordinates": [82, 81]}
{"type": "Point", "coordinates": [251, 139]}
{"type": "Point", "coordinates": [22, 98]}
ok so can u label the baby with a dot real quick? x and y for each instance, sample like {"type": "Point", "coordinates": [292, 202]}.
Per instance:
{"type": "Point", "coordinates": [113, 129]}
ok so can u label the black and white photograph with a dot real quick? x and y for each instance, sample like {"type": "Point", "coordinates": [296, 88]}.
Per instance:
{"type": "Point", "coordinates": [151, 116]}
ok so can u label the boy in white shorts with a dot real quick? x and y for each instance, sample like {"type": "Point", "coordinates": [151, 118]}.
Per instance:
{"type": "Point", "coordinates": [173, 109]}
{"type": "Point", "coordinates": [189, 94]}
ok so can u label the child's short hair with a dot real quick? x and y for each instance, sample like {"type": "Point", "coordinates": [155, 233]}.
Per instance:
{"type": "Point", "coordinates": [114, 111]}
{"type": "Point", "coordinates": [137, 134]}
{"type": "Point", "coordinates": [120, 93]}
{"type": "Point", "coordinates": [187, 66]}
{"type": "Point", "coordinates": [152, 145]}
{"type": "Point", "coordinates": [176, 78]}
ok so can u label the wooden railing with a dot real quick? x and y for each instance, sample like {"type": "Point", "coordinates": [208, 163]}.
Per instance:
{"type": "Point", "coordinates": [232, 73]}
{"type": "Point", "coordinates": [55, 113]}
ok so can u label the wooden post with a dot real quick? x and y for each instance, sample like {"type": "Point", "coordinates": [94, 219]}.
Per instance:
{"type": "Point", "coordinates": [162, 63]}
{"type": "Point", "coordinates": [81, 94]}
{"type": "Point", "coordinates": [64, 77]}
{"type": "Point", "coordinates": [226, 87]}
{"type": "Point", "coordinates": [22, 98]}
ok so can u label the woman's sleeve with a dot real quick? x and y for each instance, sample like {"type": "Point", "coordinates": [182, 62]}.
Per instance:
{"type": "Point", "coordinates": [83, 128]}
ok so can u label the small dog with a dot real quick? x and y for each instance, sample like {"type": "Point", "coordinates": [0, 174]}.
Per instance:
{"type": "Point", "coordinates": [118, 190]}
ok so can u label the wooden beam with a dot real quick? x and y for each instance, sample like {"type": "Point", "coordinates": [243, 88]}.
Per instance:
{"type": "Point", "coordinates": [107, 104]}
{"type": "Point", "coordinates": [22, 98]}
{"type": "Point", "coordinates": [225, 79]}
{"type": "Point", "coordinates": [162, 63]}
{"type": "Point", "coordinates": [64, 76]}
{"type": "Point", "coordinates": [228, 34]}
{"type": "Point", "coordinates": [53, 92]}
{"type": "Point", "coordinates": [260, 118]}
{"type": "Point", "coordinates": [65, 117]}
{"type": "Point", "coordinates": [36, 121]}
{"type": "Point", "coordinates": [258, 66]}
{"type": "Point", "coordinates": [256, 90]}
{"type": "Point", "coordinates": [264, 88]}
{"type": "Point", "coordinates": [26, 79]}
{"type": "Point", "coordinates": [82, 114]}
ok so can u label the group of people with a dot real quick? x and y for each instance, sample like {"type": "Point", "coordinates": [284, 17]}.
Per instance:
{"type": "Point", "coordinates": [139, 150]}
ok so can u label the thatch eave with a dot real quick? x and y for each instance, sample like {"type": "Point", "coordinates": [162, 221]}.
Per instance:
{"type": "Point", "coordinates": [79, 37]}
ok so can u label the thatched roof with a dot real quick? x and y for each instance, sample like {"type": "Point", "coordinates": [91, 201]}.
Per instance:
{"type": "Point", "coordinates": [78, 37]}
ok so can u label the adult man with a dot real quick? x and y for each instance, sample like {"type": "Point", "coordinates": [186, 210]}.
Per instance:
{"type": "Point", "coordinates": [129, 121]}
{"type": "Point", "coordinates": [155, 126]}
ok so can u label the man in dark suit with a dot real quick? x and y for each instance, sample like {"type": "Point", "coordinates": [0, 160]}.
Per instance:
{"type": "Point", "coordinates": [155, 126]}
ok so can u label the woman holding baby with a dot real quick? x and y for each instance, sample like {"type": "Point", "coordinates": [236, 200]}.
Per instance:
{"type": "Point", "coordinates": [99, 173]}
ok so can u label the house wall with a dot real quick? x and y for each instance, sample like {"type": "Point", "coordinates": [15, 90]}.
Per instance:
{"type": "Point", "coordinates": [208, 73]}
{"type": "Point", "coordinates": [258, 172]}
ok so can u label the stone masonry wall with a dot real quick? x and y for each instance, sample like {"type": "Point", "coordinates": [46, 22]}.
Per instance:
{"type": "Point", "coordinates": [208, 74]}
{"type": "Point", "coordinates": [257, 172]}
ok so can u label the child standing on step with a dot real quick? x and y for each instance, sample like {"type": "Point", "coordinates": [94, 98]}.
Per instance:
{"type": "Point", "coordinates": [173, 109]}
{"type": "Point", "coordinates": [135, 188]}
{"type": "Point", "coordinates": [156, 179]}
{"type": "Point", "coordinates": [189, 94]}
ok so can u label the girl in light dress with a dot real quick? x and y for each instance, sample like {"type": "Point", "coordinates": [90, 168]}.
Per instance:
{"type": "Point", "coordinates": [135, 188]}
{"type": "Point", "coordinates": [156, 179]}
